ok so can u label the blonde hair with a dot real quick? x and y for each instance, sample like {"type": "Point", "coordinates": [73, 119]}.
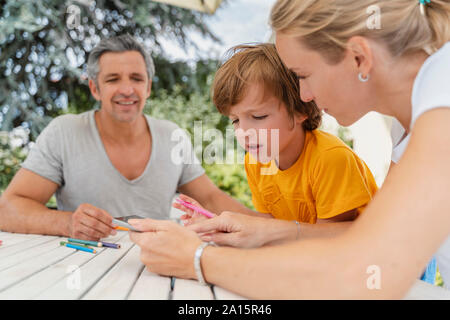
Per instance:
{"type": "Point", "coordinates": [260, 64]}
{"type": "Point", "coordinates": [327, 25]}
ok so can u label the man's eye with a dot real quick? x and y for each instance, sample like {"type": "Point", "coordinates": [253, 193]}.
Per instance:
{"type": "Point", "coordinates": [259, 117]}
{"type": "Point", "coordinates": [138, 79]}
{"type": "Point", "coordinates": [111, 80]}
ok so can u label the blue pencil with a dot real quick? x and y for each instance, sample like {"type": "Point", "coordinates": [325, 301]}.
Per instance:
{"type": "Point", "coordinates": [74, 246]}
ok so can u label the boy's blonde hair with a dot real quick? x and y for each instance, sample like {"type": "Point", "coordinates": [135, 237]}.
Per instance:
{"type": "Point", "coordinates": [327, 25]}
{"type": "Point", "coordinates": [260, 64]}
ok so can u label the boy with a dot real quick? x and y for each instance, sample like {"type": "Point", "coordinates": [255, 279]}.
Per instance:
{"type": "Point", "coordinates": [305, 174]}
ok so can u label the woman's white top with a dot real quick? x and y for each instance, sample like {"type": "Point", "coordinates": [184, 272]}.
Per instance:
{"type": "Point", "coordinates": [431, 90]}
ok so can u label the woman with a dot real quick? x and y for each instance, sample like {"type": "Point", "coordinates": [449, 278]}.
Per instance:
{"type": "Point", "coordinates": [349, 70]}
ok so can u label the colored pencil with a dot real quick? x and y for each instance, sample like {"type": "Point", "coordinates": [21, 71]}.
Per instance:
{"type": "Point", "coordinates": [1, 242]}
{"type": "Point", "coordinates": [77, 244]}
{"type": "Point", "coordinates": [204, 212]}
{"type": "Point", "coordinates": [111, 245]}
{"type": "Point", "coordinates": [89, 243]}
{"type": "Point", "coordinates": [121, 228]}
{"type": "Point", "coordinates": [73, 246]}
{"type": "Point", "coordinates": [123, 224]}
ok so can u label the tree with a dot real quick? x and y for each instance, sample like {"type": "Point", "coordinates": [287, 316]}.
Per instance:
{"type": "Point", "coordinates": [44, 47]}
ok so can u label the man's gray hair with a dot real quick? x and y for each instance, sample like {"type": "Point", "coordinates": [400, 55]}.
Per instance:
{"type": "Point", "coordinates": [120, 43]}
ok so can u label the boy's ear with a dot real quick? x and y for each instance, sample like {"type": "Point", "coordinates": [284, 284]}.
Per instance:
{"type": "Point", "coordinates": [94, 90]}
{"type": "Point", "coordinates": [300, 118]}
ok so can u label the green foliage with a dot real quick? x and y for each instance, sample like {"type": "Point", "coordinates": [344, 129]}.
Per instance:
{"type": "Point", "coordinates": [11, 156]}
{"type": "Point", "coordinates": [232, 179]}
{"type": "Point", "coordinates": [44, 49]}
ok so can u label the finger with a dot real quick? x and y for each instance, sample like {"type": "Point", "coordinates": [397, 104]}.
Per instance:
{"type": "Point", "coordinates": [185, 217]}
{"type": "Point", "coordinates": [99, 214]}
{"type": "Point", "coordinates": [92, 223]}
{"type": "Point", "coordinates": [148, 225]}
{"type": "Point", "coordinates": [220, 238]}
{"type": "Point", "coordinates": [183, 208]}
{"type": "Point", "coordinates": [188, 199]}
{"type": "Point", "coordinates": [88, 233]}
{"type": "Point", "coordinates": [208, 225]}
{"type": "Point", "coordinates": [138, 238]}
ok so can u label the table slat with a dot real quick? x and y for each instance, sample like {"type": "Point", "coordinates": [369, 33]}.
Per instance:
{"type": "Point", "coordinates": [12, 239]}
{"type": "Point", "coordinates": [151, 286]}
{"type": "Point", "coordinates": [23, 246]}
{"type": "Point", "coordinates": [26, 268]}
{"type": "Point", "coordinates": [28, 255]}
{"type": "Point", "coordinates": [89, 273]}
{"type": "Point", "coordinates": [39, 282]}
{"type": "Point", "coordinates": [119, 281]}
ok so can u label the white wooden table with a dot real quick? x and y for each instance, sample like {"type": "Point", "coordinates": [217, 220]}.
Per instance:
{"type": "Point", "coordinates": [37, 267]}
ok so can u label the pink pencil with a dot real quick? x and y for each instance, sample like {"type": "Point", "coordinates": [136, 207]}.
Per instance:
{"type": "Point", "coordinates": [204, 212]}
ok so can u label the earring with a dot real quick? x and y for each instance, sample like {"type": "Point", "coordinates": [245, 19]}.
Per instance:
{"type": "Point", "coordinates": [362, 79]}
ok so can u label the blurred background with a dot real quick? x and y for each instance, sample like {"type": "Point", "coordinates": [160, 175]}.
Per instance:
{"type": "Point", "coordinates": [43, 52]}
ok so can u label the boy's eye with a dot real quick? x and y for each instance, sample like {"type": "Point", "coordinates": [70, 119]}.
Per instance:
{"type": "Point", "coordinates": [234, 121]}
{"type": "Point", "coordinates": [259, 117]}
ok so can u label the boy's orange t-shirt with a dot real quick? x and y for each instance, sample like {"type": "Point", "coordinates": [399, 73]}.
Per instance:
{"type": "Point", "coordinates": [327, 179]}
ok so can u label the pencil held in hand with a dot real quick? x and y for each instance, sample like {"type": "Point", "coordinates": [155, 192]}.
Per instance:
{"type": "Point", "coordinates": [202, 211]}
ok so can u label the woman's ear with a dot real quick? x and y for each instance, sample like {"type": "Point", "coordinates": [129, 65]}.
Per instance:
{"type": "Point", "coordinates": [360, 51]}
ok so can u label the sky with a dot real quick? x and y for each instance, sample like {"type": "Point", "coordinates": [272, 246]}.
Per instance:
{"type": "Point", "coordinates": [235, 22]}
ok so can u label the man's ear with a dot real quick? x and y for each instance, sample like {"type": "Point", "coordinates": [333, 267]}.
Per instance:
{"type": "Point", "coordinates": [360, 50]}
{"type": "Point", "coordinates": [94, 90]}
{"type": "Point", "coordinates": [149, 88]}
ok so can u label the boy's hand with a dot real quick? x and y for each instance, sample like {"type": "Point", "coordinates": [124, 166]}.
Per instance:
{"type": "Point", "coordinates": [190, 216]}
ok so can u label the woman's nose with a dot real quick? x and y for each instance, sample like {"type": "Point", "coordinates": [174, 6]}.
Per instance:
{"type": "Point", "coordinates": [305, 94]}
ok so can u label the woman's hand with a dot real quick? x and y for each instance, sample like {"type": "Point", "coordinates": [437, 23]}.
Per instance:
{"type": "Point", "coordinates": [166, 247]}
{"type": "Point", "coordinates": [190, 216]}
{"type": "Point", "coordinates": [234, 229]}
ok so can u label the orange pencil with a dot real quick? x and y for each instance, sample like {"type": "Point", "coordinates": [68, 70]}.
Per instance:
{"type": "Point", "coordinates": [121, 228]}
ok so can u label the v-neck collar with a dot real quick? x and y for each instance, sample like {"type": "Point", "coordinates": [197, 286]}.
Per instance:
{"type": "Point", "coordinates": [98, 139]}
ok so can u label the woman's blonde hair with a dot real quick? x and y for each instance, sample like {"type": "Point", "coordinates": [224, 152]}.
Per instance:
{"type": "Point", "coordinates": [327, 25]}
{"type": "Point", "coordinates": [260, 64]}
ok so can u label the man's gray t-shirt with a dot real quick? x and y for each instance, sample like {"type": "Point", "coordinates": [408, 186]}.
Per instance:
{"type": "Point", "coordinates": [69, 152]}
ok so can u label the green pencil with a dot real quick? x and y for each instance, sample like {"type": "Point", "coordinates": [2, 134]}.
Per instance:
{"type": "Point", "coordinates": [63, 243]}
{"type": "Point", "coordinates": [89, 243]}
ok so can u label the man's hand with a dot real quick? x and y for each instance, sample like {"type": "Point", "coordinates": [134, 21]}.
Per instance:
{"type": "Point", "coordinates": [234, 229]}
{"type": "Point", "coordinates": [90, 223]}
{"type": "Point", "coordinates": [166, 247]}
{"type": "Point", "coordinates": [190, 216]}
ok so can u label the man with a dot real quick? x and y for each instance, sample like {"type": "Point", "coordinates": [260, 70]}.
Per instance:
{"type": "Point", "coordinates": [106, 163]}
